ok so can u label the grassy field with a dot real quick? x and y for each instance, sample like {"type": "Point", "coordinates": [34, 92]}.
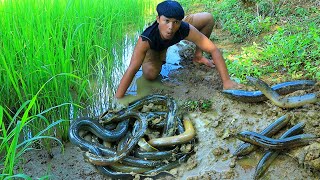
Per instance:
{"type": "Point", "coordinates": [278, 37]}
{"type": "Point", "coordinates": [49, 52]}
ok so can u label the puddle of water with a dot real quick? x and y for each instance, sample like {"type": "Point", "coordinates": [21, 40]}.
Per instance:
{"type": "Point", "coordinates": [247, 163]}
{"type": "Point", "coordinates": [172, 61]}
{"type": "Point", "coordinates": [141, 87]}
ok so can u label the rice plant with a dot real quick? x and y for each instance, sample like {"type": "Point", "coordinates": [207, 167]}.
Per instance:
{"type": "Point", "coordinates": [12, 127]}
{"type": "Point", "coordinates": [65, 42]}
{"type": "Point", "coordinates": [42, 38]}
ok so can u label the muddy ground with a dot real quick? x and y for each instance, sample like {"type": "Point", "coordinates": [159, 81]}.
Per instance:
{"type": "Point", "coordinates": [215, 129]}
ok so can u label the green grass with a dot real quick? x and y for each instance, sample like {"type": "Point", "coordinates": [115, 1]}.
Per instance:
{"type": "Point", "coordinates": [42, 38]}
{"type": "Point", "coordinates": [202, 105]}
{"type": "Point", "coordinates": [294, 49]}
{"type": "Point", "coordinates": [50, 50]}
{"type": "Point", "coordinates": [278, 36]}
{"type": "Point", "coordinates": [240, 21]}
{"type": "Point", "coordinates": [12, 128]}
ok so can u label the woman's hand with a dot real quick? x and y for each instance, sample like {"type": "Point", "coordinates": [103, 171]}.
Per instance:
{"type": "Point", "coordinates": [229, 84]}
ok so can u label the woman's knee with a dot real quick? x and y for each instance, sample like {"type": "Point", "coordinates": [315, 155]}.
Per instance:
{"type": "Point", "coordinates": [150, 73]}
{"type": "Point", "coordinates": [207, 18]}
{"type": "Point", "coordinates": [202, 20]}
{"type": "Point", "coordinates": [150, 76]}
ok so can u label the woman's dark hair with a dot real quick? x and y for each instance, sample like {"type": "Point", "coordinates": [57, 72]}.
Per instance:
{"type": "Point", "coordinates": [170, 9]}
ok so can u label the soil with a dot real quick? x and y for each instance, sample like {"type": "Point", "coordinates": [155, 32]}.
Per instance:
{"type": "Point", "coordinates": [215, 130]}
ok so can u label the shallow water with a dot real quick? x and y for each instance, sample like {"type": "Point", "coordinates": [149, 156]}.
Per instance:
{"type": "Point", "coordinates": [104, 91]}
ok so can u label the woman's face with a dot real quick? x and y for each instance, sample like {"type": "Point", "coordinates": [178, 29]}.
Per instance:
{"type": "Point", "coordinates": [168, 27]}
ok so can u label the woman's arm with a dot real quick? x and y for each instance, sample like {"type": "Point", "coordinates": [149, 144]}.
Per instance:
{"type": "Point", "coordinates": [137, 58]}
{"type": "Point", "coordinates": [207, 45]}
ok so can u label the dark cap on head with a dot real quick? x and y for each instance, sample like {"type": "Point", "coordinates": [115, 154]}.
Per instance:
{"type": "Point", "coordinates": [170, 9]}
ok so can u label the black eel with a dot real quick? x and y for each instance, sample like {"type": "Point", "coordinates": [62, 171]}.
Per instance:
{"type": "Point", "coordinates": [140, 129]}
{"type": "Point", "coordinates": [128, 161]}
{"type": "Point", "coordinates": [183, 158]}
{"type": "Point", "coordinates": [93, 126]}
{"type": "Point", "coordinates": [270, 155]}
{"type": "Point", "coordinates": [118, 163]}
{"type": "Point", "coordinates": [284, 102]}
{"type": "Point", "coordinates": [157, 155]}
{"type": "Point", "coordinates": [100, 150]}
{"type": "Point", "coordinates": [171, 123]}
{"type": "Point", "coordinates": [258, 96]}
{"type": "Point", "coordinates": [273, 128]}
{"type": "Point", "coordinates": [270, 143]}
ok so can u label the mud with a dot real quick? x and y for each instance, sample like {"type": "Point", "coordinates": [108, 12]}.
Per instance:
{"type": "Point", "coordinates": [215, 130]}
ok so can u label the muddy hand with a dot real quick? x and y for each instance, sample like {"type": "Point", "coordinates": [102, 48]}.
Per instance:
{"type": "Point", "coordinates": [229, 84]}
{"type": "Point", "coordinates": [204, 61]}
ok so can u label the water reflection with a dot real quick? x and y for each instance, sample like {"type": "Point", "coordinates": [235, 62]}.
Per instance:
{"type": "Point", "coordinates": [172, 61]}
{"type": "Point", "coordinates": [141, 87]}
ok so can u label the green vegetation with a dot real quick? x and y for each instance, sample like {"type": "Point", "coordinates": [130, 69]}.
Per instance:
{"type": "Point", "coordinates": [202, 105]}
{"type": "Point", "coordinates": [242, 23]}
{"type": "Point", "coordinates": [40, 39]}
{"type": "Point", "coordinates": [59, 47]}
{"type": "Point", "coordinates": [284, 37]}
{"type": "Point", "coordinates": [12, 145]}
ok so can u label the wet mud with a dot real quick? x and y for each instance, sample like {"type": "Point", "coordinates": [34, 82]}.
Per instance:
{"type": "Point", "coordinates": [215, 133]}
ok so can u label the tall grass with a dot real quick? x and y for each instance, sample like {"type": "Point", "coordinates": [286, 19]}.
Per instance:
{"type": "Point", "coordinates": [42, 38]}
{"type": "Point", "coordinates": [65, 41]}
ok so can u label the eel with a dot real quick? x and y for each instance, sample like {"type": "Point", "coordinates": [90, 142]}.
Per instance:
{"type": "Point", "coordinates": [170, 125]}
{"type": "Point", "coordinates": [141, 125]}
{"type": "Point", "coordinates": [273, 128]}
{"type": "Point", "coordinates": [186, 136]}
{"type": "Point", "coordinates": [156, 155]}
{"type": "Point", "coordinates": [284, 102]}
{"type": "Point", "coordinates": [257, 96]}
{"type": "Point", "coordinates": [170, 165]}
{"type": "Point", "coordinates": [270, 155]}
{"type": "Point", "coordinates": [129, 161]}
{"type": "Point", "coordinates": [98, 149]}
{"type": "Point", "coordinates": [280, 144]}
{"type": "Point", "coordinates": [94, 127]}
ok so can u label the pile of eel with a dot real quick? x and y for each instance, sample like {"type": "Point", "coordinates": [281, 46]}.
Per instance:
{"type": "Point", "coordinates": [134, 142]}
{"type": "Point", "coordinates": [290, 139]}
{"type": "Point", "coordinates": [276, 92]}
